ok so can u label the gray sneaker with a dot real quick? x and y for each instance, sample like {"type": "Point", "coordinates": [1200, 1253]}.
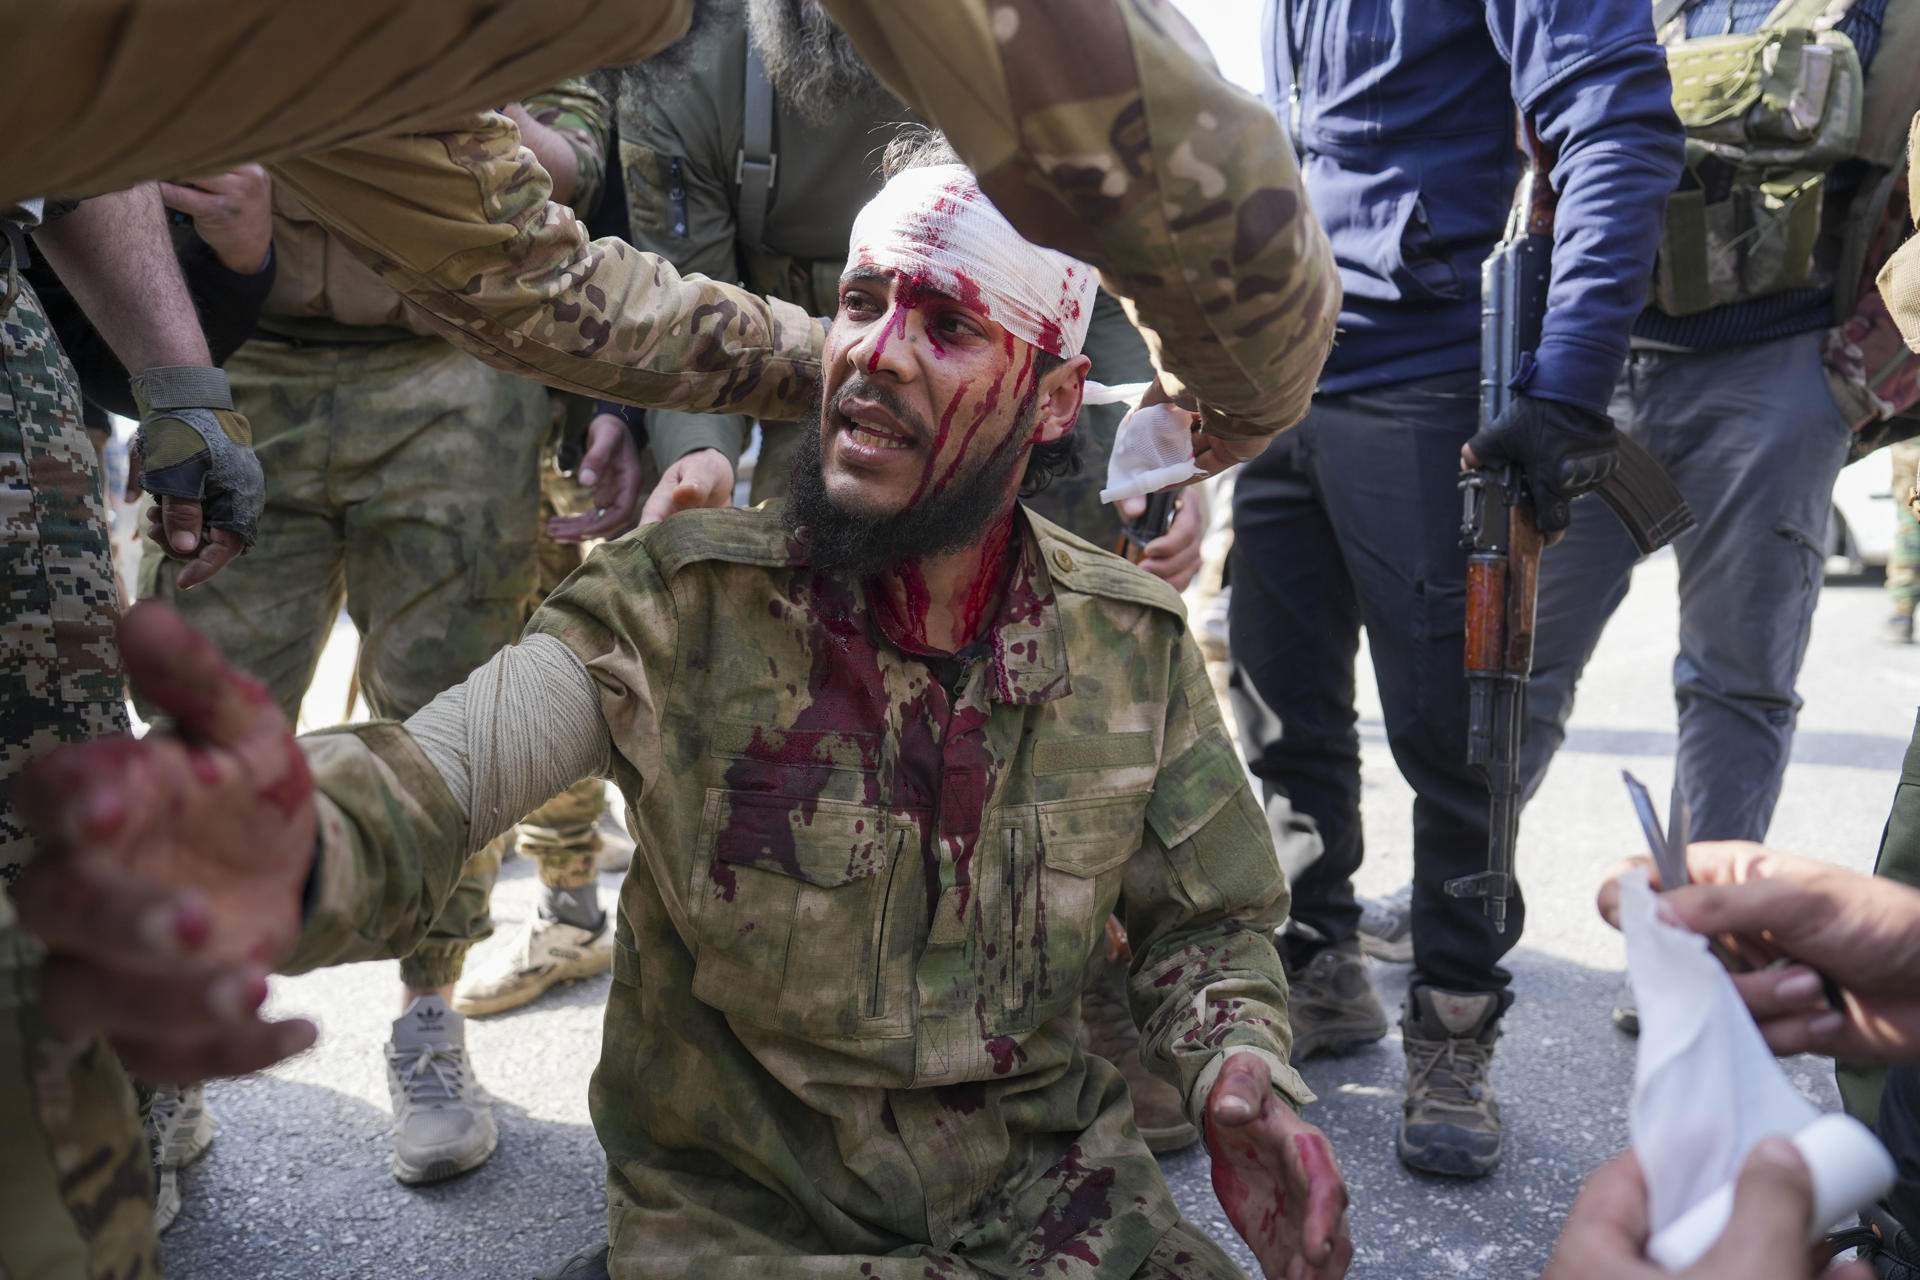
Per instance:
{"type": "Point", "coordinates": [1450, 1123]}
{"type": "Point", "coordinates": [1386, 926]}
{"type": "Point", "coordinates": [442, 1118]}
{"type": "Point", "coordinates": [1332, 1005]}
{"type": "Point", "coordinates": [179, 1129]}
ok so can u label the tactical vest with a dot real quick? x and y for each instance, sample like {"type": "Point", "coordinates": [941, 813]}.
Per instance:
{"type": "Point", "coordinates": [1767, 114]}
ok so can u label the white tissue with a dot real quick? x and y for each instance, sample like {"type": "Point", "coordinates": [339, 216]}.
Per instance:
{"type": "Point", "coordinates": [1152, 449]}
{"type": "Point", "coordinates": [1707, 1089]}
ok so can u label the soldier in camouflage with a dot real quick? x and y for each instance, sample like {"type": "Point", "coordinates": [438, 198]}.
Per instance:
{"type": "Point", "coordinates": [379, 499]}
{"type": "Point", "coordinates": [892, 753]}
{"type": "Point", "coordinates": [76, 1192]}
{"type": "Point", "coordinates": [686, 124]}
{"type": "Point", "coordinates": [1099, 132]}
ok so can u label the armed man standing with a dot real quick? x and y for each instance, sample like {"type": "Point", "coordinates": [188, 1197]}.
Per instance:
{"type": "Point", "coordinates": [1789, 174]}
{"type": "Point", "coordinates": [1404, 116]}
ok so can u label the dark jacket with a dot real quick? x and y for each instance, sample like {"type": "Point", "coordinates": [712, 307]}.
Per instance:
{"type": "Point", "coordinates": [1405, 121]}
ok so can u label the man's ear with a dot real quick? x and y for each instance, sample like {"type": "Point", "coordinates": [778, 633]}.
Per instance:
{"type": "Point", "coordinates": [1059, 404]}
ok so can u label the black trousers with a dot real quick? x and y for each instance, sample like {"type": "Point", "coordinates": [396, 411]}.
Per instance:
{"type": "Point", "coordinates": [1350, 520]}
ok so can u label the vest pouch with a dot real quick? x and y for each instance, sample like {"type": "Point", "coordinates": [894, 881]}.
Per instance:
{"type": "Point", "coordinates": [1755, 240]}
{"type": "Point", "coordinates": [1767, 115]}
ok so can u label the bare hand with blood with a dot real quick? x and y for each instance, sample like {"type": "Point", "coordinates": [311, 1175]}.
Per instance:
{"type": "Point", "coordinates": [703, 478]}
{"type": "Point", "coordinates": [170, 869]}
{"type": "Point", "coordinates": [612, 468]}
{"type": "Point", "coordinates": [1276, 1178]}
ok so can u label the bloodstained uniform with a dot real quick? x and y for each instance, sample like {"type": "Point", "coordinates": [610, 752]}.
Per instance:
{"type": "Point", "coordinates": [865, 885]}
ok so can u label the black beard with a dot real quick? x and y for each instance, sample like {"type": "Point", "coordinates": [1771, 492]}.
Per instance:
{"type": "Point", "coordinates": [813, 65]}
{"type": "Point", "coordinates": [942, 520]}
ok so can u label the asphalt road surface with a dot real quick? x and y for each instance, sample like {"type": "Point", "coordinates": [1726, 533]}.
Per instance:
{"type": "Point", "coordinates": [296, 1184]}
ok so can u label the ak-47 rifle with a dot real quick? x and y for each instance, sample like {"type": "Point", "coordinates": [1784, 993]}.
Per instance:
{"type": "Point", "coordinates": [1498, 530]}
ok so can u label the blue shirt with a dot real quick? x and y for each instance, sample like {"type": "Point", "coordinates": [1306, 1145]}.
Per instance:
{"type": "Point", "coordinates": [1405, 123]}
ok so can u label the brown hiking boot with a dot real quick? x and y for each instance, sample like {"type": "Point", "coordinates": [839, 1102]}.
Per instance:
{"type": "Point", "coordinates": [1451, 1120]}
{"type": "Point", "coordinates": [1331, 1003]}
{"type": "Point", "coordinates": [1106, 1028]}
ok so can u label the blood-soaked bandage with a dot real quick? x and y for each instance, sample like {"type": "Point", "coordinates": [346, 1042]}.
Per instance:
{"type": "Point", "coordinates": [935, 227]}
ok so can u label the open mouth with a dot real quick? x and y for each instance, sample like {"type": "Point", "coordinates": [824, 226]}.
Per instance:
{"type": "Point", "coordinates": [871, 427]}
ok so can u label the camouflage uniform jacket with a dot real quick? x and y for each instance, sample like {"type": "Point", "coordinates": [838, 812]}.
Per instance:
{"type": "Point", "coordinates": [323, 292]}
{"type": "Point", "coordinates": [866, 885]}
{"type": "Point", "coordinates": [1096, 125]}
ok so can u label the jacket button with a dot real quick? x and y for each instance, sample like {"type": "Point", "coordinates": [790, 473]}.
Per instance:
{"type": "Point", "coordinates": [1062, 561]}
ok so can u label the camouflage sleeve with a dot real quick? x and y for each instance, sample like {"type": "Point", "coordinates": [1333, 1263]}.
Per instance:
{"type": "Point", "coordinates": [390, 846]}
{"type": "Point", "coordinates": [582, 115]}
{"type": "Point", "coordinates": [459, 223]}
{"type": "Point", "coordinates": [1101, 129]}
{"type": "Point", "coordinates": [101, 94]}
{"type": "Point", "coordinates": [1202, 899]}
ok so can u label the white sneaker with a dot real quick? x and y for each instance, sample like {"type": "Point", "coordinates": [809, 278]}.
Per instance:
{"type": "Point", "coordinates": [616, 846]}
{"type": "Point", "coordinates": [442, 1118]}
{"type": "Point", "coordinates": [179, 1128]}
{"type": "Point", "coordinates": [544, 953]}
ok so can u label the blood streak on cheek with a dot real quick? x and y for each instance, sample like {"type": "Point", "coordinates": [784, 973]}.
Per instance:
{"type": "Point", "coordinates": [939, 441]}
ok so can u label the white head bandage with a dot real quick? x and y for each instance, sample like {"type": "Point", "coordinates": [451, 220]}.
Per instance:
{"type": "Point", "coordinates": [934, 225]}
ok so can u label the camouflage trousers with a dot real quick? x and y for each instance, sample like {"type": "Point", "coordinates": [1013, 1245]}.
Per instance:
{"type": "Point", "coordinates": [402, 481]}
{"type": "Point", "coordinates": [76, 1194]}
{"type": "Point", "coordinates": [1903, 564]}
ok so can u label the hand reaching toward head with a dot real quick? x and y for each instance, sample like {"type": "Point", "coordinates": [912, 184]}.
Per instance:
{"type": "Point", "coordinates": [170, 869]}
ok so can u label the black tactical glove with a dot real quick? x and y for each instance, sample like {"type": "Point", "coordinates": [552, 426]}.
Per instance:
{"type": "Point", "coordinates": [193, 446]}
{"type": "Point", "coordinates": [1561, 449]}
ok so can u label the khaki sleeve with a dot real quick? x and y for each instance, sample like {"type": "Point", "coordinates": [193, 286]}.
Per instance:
{"type": "Point", "coordinates": [459, 223]}
{"type": "Point", "coordinates": [1202, 900]}
{"type": "Point", "coordinates": [100, 94]}
{"type": "Point", "coordinates": [1101, 129]}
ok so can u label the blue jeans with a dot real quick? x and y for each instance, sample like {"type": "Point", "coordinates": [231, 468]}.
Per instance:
{"type": "Point", "coordinates": [1753, 440]}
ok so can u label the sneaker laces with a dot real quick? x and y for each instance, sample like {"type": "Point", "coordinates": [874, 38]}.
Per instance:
{"type": "Point", "coordinates": [1452, 1072]}
{"type": "Point", "coordinates": [432, 1075]}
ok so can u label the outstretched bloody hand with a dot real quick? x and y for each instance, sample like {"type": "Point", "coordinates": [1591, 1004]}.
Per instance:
{"type": "Point", "coordinates": [169, 871]}
{"type": "Point", "coordinates": [1276, 1177]}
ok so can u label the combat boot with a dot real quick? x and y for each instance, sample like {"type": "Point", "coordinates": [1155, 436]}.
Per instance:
{"type": "Point", "coordinates": [179, 1129]}
{"type": "Point", "coordinates": [1451, 1120]}
{"type": "Point", "coordinates": [1107, 1028]}
{"type": "Point", "coordinates": [544, 953]}
{"type": "Point", "coordinates": [442, 1118]}
{"type": "Point", "coordinates": [1331, 1003]}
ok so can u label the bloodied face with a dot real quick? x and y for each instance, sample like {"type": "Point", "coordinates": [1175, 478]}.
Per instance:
{"type": "Point", "coordinates": [928, 412]}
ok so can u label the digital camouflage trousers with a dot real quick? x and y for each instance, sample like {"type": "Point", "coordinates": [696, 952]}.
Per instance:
{"type": "Point", "coordinates": [76, 1195]}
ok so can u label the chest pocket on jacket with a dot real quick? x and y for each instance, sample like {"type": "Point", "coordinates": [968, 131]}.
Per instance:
{"type": "Point", "coordinates": [1063, 862]}
{"type": "Point", "coordinates": [792, 913]}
